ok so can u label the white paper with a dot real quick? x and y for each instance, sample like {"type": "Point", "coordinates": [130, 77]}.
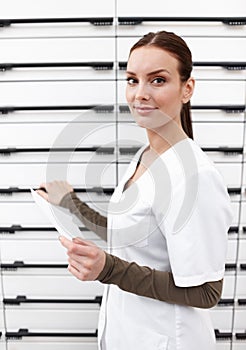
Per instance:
{"type": "Point", "coordinates": [63, 222]}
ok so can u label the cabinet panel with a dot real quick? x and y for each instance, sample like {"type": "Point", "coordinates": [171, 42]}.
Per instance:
{"type": "Point", "coordinates": [81, 175]}
{"type": "Point", "coordinates": [25, 56]}
{"type": "Point", "coordinates": [40, 344]}
{"type": "Point", "coordinates": [222, 318]}
{"type": "Point", "coordinates": [57, 93]}
{"type": "Point", "coordinates": [59, 287]}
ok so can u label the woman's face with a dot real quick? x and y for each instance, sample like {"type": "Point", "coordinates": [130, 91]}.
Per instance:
{"type": "Point", "coordinates": [154, 91]}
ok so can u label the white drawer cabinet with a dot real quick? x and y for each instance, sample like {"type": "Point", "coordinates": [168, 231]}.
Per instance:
{"type": "Point", "coordinates": [81, 175]}
{"type": "Point", "coordinates": [223, 345]}
{"type": "Point", "coordinates": [59, 287]}
{"type": "Point", "coordinates": [62, 135]}
{"type": "Point", "coordinates": [23, 9]}
{"type": "Point", "coordinates": [231, 173]}
{"type": "Point", "coordinates": [222, 318]}
{"type": "Point", "coordinates": [48, 344]}
{"type": "Point", "coordinates": [48, 319]}
{"type": "Point", "coordinates": [52, 59]}
{"type": "Point", "coordinates": [57, 93]}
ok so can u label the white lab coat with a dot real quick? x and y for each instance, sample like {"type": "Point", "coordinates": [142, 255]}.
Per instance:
{"type": "Point", "coordinates": [175, 217]}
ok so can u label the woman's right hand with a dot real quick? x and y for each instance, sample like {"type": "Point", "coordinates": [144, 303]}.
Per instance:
{"type": "Point", "coordinates": [55, 191]}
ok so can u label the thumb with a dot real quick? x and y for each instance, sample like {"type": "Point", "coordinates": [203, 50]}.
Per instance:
{"type": "Point", "coordinates": [43, 194]}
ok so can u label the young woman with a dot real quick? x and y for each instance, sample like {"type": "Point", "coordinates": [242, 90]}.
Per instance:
{"type": "Point", "coordinates": [167, 220]}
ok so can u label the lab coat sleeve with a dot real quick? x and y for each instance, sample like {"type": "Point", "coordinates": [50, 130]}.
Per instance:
{"type": "Point", "coordinates": [195, 228]}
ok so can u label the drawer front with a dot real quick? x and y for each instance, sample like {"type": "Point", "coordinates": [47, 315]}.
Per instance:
{"type": "Point", "coordinates": [59, 51]}
{"type": "Point", "coordinates": [81, 175]}
{"type": "Point", "coordinates": [57, 9]}
{"type": "Point", "coordinates": [59, 287]}
{"type": "Point", "coordinates": [231, 174]}
{"type": "Point", "coordinates": [57, 93]}
{"type": "Point", "coordinates": [51, 319]}
{"type": "Point", "coordinates": [62, 135]}
{"type": "Point", "coordinates": [26, 214]}
{"type": "Point", "coordinates": [222, 318]}
{"type": "Point", "coordinates": [63, 344]}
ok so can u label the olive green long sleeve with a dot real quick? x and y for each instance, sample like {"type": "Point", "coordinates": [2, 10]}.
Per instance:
{"type": "Point", "coordinates": [147, 282]}
{"type": "Point", "coordinates": [93, 220]}
{"type": "Point", "coordinates": [141, 280]}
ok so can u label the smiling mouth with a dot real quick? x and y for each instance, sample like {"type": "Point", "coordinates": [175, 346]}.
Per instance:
{"type": "Point", "coordinates": [144, 110]}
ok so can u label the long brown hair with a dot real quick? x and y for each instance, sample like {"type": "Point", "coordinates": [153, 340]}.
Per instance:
{"type": "Point", "coordinates": [177, 47]}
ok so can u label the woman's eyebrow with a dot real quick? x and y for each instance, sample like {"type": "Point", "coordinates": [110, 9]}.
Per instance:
{"type": "Point", "coordinates": [151, 73]}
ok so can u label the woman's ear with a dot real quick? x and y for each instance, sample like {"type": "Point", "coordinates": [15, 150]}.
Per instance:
{"type": "Point", "coordinates": [188, 90]}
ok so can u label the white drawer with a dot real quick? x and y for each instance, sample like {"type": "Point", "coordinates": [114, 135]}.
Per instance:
{"type": "Point", "coordinates": [223, 345]}
{"type": "Point", "coordinates": [80, 175]}
{"type": "Point", "coordinates": [235, 213]}
{"type": "Point", "coordinates": [217, 115]}
{"type": "Point", "coordinates": [104, 114]}
{"type": "Point", "coordinates": [218, 134]}
{"type": "Point", "coordinates": [1, 318]}
{"type": "Point", "coordinates": [35, 135]}
{"type": "Point", "coordinates": [239, 319]}
{"type": "Point", "coordinates": [241, 286]}
{"type": "Point", "coordinates": [36, 251]}
{"type": "Point", "coordinates": [231, 173]}
{"type": "Point", "coordinates": [130, 134]}
{"type": "Point", "coordinates": [51, 319]}
{"type": "Point", "coordinates": [41, 344]}
{"type": "Point", "coordinates": [231, 251]}
{"type": "Point", "coordinates": [57, 9]}
{"type": "Point", "coordinates": [59, 287]}
{"type": "Point", "coordinates": [57, 93]}
{"type": "Point", "coordinates": [240, 345]}
{"type": "Point", "coordinates": [159, 8]}
{"type": "Point", "coordinates": [222, 318]}
{"type": "Point", "coordinates": [26, 214]}
{"type": "Point", "coordinates": [228, 286]}
{"type": "Point", "coordinates": [243, 213]}
{"type": "Point", "coordinates": [58, 50]}
{"type": "Point", "coordinates": [207, 93]}
{"type": "Point", "coordinates": [242, 251]}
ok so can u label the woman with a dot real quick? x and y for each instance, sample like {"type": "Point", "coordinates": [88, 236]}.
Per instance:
{"type": "Point", "coordinates": [167, 220]}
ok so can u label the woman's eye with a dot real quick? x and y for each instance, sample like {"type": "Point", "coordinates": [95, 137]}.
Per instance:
{"type": "Point", "coordinates": [159, 80]}
{"type": "Point", "coordinates": [131, 81]}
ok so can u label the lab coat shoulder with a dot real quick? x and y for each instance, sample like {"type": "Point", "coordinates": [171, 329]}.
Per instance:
{"type": "Point", "coordinates": [195, 225]}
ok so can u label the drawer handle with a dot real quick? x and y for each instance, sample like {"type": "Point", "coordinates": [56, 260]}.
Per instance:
{"type": "Point", "coordinates": [25, 333]}
{"type": "Point", "coordinates": [23, 299]}
{"type": "Point", "coordinates": [222, 335]}
{"type": "Point", "coordinates": [96, 108]}
{"type": "Point", "coordinates": [226, 150]}
{"type": "Point", "coordinates": [233, 229]}
{"type": "Point", "coordinates": [243, 267]}
{"type": "Point", "coordinates": [244, 229]}
{"type": "Point", "coordinates": [98, 190]}
{"type": "Point", "coordinates": [20, 264]}
{"type": "Point", "coordinates": [18, 228]}
{"type": "Point", "coordinates": [96, 21]}
{"type": "Point", "coordinates": [227, 65]}
{"type": "Point", "coordinates": [234, 191]}
{"type": "Point", "coordinates": [226, 108]}
{"type": "Point", "coordinates": [241, 301]}
{"type": "Point", "coordinates": [230, 267]}
{"type": "Point", "coordinates": [94, 65]}
{"type": "Point", "coordinates": [97, 149]}
{"type": "Point", "coordinates": [226, 302]}
{"type": "Point", "coordinates": [240, 336]}
{"type": "Point", "coordinates": [231, 21]}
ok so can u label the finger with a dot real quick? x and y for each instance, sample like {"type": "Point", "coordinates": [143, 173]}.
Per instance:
{"type": "Point", "coordinates": [74, 248]}
{"type": "Point", "coordinates": [83, 276]}
{"type": "Point", "coordinates": [43, 194]}
{"type": "Point", "coordinates": [67, 243]}
{"type": "Point", "coordinates": [84, 242]}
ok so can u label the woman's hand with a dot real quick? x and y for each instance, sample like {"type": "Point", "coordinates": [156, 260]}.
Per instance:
{"type": "Point", "coordinates": [55, 191]}
{"type": "Point", "coordinates": [86, 260]}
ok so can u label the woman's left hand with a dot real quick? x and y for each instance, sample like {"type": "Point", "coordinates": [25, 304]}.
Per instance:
{"type": "Point", "coordinates": [86, 260]}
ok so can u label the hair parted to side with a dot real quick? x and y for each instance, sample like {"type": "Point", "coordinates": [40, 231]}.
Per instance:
{"type": "Point", "coordinates": [177, 47]}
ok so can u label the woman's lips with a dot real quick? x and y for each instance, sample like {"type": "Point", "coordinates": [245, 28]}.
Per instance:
{"type": "Point", "coordinates": [143, 110]}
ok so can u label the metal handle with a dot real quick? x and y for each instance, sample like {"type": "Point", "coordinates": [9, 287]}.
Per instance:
{"type": "Point", "coordinates": [21, 264]}
{"type": "Point", "coordinates": [96, 21]}
{"type": "Point", "coordinates": [94, 65]}
{"type": "Point", "coordinates": [23, 299]}
{"type": "Point", "coordinates": [96, 149]}
{"type": "Point", "coordinates": [226, 302]}
{"type": "Point", "coordinates": [25, 333]}
{"type": "Point", "coordinates": [96, 108]}
{"type": "Point", "coordinates": [231, 21]}
{"type": "Point", "coordinates": [233, 229]}
{"type": "Point", "coordinates": [222, 335]}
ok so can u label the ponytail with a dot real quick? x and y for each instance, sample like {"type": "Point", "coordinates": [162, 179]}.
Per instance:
{"type": "Point", "coordinates": [186, 120]}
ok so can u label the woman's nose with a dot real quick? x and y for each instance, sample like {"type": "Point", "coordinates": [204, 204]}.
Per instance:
{"type": "Point", "coordinates": [142, 92]}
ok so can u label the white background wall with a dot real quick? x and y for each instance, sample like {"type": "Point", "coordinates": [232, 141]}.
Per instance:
{"type": "Point", "coordinates": [59, 312]}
